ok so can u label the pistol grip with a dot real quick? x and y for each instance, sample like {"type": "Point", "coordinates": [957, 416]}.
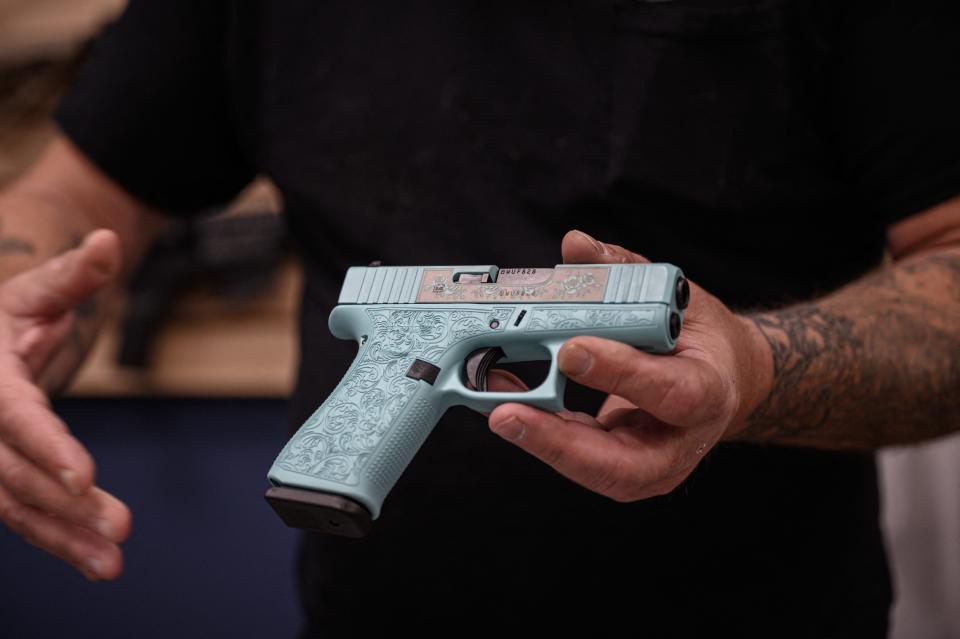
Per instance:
{"type": "Point", "coordinates": [416, 327]}
{"type": "Point", "coordinates": [359, 441]}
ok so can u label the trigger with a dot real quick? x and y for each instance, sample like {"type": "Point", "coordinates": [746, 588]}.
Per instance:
{"type": "Point", "coordinates": [479, 363]}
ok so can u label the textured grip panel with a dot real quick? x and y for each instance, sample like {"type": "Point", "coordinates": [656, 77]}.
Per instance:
{"type": "Point", "coordinates": [390, 460]}
{"type": "Point", "coordinates": [372, 424]}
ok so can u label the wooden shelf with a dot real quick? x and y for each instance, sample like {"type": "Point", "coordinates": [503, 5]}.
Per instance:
{"type": "Point", "coordinates": [209, 347]}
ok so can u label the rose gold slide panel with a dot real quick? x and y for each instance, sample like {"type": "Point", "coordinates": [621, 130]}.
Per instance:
{"type": "Point", "coordinates": [537, 285]}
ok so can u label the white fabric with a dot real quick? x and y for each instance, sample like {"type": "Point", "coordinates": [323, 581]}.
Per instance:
{"type": "Point", "coordinates": [921, 518]}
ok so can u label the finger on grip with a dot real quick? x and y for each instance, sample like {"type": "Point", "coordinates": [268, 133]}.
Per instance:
{"type": "Point", "coordinates": [581, 452]}
{"type": "Point", "coordinates": [673, 389]}
{"type": "Point", "coordinates": [65, 281]}
{"type": "Point", "coordinates": [29, 426]}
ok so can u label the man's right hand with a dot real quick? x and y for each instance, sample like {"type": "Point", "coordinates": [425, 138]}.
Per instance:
{"type": "Point", "coordinates": [47, 489]}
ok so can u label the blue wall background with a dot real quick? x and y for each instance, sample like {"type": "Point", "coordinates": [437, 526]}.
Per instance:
{"type": "Point", "coordinates": [207, 557]}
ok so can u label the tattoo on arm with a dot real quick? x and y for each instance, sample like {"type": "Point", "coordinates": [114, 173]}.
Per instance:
{"type": "Point", "coordinates": [877, 363]}
{"type": "Point", "coordinates": [15, 245]}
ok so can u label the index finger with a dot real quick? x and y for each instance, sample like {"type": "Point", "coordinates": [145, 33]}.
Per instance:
{"type": "Point", "coordinates": [604, 462]}
{"type": "Point", "coordinates": [678, 390]}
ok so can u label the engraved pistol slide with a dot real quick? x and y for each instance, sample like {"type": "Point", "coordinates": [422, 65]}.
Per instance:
{"type": "Point", "coordinates": [427, 337]}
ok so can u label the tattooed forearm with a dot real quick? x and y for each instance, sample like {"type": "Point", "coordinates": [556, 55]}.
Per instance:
{"type": "Point", "coordinates": [876, 363]}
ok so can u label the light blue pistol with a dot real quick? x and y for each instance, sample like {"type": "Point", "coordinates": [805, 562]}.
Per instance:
{"type": "Point", "coordinates": [428, 335]}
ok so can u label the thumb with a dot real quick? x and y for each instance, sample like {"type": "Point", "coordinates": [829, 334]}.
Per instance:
{"type": "Point", "coordinates": [579, 248]}
{"type": "Point", "coordinates": [64, 282]}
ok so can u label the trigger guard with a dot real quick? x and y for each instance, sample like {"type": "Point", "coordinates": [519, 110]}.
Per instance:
{"type": "Point", "coordinates": [547, 396]}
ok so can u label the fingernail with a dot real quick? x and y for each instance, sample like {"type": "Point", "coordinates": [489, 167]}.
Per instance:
{"type": "Point", "coordinates": [104, 527]}
{"type": "Point", "coordinates": [574, 360]}
{"type": "Point", "coordinates": [94, 566]}
{"type": "Point", "coordinates": [597, 246]}
{"type": "Point", "coordinates": [70, 481]}
{"type": "Point", "coordinates": [511, 429]}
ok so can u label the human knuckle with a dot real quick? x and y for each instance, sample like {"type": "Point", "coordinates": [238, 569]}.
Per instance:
{"type": "Point", "coordinates": [554, 456]}
{"type": "Point", "coordinates": [65, 548]}
{"type": "Point", "coordinates": [670, 403]}
{"type": "Point", "coordinates": [17, 478]}
{"type": "Point", "coordinates": [623, 378]}
{"type": "Point", "coordinates": [692, 390]}
{"type": "Point", "coordinates": [608, 480]}
{"type": "Point", "coordinates": [9, 396]}
{"type": "Point", "coordinates": [684, 397]}
{"type": "Point", "coordinates": [14, 515]}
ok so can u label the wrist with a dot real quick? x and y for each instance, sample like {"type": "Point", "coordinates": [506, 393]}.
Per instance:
{"type": "Point", "coordinates": [756, 373]}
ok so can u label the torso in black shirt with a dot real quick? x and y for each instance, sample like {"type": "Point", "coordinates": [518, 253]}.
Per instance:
{"type": "Point", "coordinates": [730, 138]}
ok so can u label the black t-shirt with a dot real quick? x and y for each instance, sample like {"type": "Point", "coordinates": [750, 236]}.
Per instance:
{"type": "Point", "coordinates": [763, 146]}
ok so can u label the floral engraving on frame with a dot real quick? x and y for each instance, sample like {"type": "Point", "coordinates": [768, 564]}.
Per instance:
{"type": "Point", "coordinates": [340, 438]}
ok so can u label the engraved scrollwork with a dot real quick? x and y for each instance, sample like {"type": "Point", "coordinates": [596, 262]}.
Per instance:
{"type": "Point", "coordinates": [433, 353]}
{"type": "Point", "coordinates": [372, 404]}
{"type": "Point", "coordinates": [441, 286]}
{"type": "Point", "coordinates": [431, 326]}
{"type": "Point", "coordinates": [567, 323]}
{"type": "Point", "coordinates": [333, 467]}
{"type": "Point", "coordinates": [340, 438]}
{"type": "Point", "coordinates": [341, 417]}
{"type": "Point", "coordinates": [397, 367]}
{"type": "Point", "coordinates": [364, 378]}
{"type": "Point", "coordinates": [401, 386]}
{"type": "Point", "coordinates": [576, 284]}
{"type": "Point", "coordinates": [574, 318]}
{"type": "Point", "coordinates": [392, 408]}
{"type": "Point", "coordinates": [468, 327]}
{"type": "Point", "coordinates": [358, 441]}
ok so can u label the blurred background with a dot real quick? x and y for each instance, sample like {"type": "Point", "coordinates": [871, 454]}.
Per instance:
{"type": "Point", "coordinates": [182, 404]}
